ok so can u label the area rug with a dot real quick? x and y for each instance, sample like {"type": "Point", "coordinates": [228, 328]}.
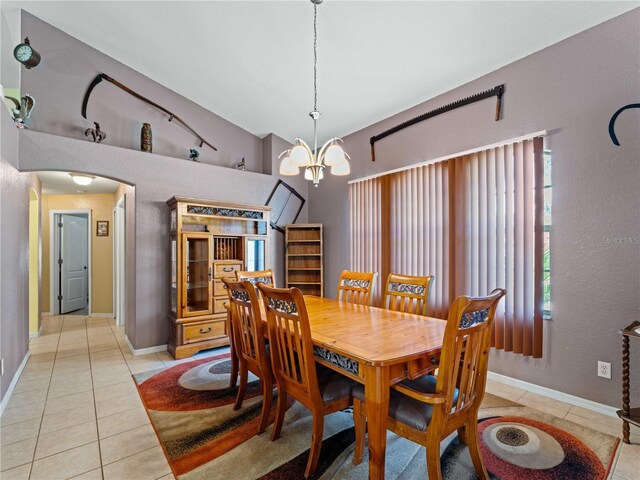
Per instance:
{"type": "Point", "coordinates": [190, 407]}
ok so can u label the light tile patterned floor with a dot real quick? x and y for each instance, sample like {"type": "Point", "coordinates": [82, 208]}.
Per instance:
{"type": "Point", "coordinates": [75, 412]}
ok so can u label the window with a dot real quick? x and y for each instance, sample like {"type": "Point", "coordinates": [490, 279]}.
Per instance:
{"type": "Point", "coordinates": [547, 234]}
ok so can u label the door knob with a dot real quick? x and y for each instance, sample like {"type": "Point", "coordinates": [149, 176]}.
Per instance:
{"type": "Point", "coordinates": [85, 267]}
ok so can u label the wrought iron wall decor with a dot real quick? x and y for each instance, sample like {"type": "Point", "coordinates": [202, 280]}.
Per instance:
{"type": "Point", "coordinates": [172, 116]}
{"type": "Point", "coordinates": [194, 154]}
{"type": "Point", "coordinates": [240, 166]}
{"type": "Point", "coordinates": [97, 134]}
{"type": "Point", "coordinates": [612, 122]}
{"type": "Point", "coordinates": [285, 204]}
{"type": "Point", "coordinates": [23, 109]}
{"type": "Point", "coordinates": [497, 91]}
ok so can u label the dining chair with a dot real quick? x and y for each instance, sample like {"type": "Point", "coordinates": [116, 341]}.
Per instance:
{"type": "Point", "coordinates": [356, 287]}
{"type": "Point", "coordinates": [264, 276]}
{"type": "Point", "coordinates": [408, 294]}
{"type": "Point", "coordinates": [428, 409]}
{"type": "Point", "coordinates": [249, 343]}
{"type": "Point", "coordinates": [320, 389]}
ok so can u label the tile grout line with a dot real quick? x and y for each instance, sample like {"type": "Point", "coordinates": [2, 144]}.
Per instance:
{"type": "Point", "coordinates": [33, 459]}
{"type": "Point", "coordinates": [95, 408]}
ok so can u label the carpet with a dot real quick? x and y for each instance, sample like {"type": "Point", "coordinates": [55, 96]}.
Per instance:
{"type": "Point", "coordinates": [190, 407]}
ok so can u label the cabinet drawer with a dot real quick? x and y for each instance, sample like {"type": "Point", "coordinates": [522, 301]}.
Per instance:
{"type": "Point", "coordinates": [219, 289]}
{"type": "Point", "coordinates": [226, 269]}
{"type": "Point", "coordinates": [203, 331]}
{"type": "Point", "coordinates": [219, 304]}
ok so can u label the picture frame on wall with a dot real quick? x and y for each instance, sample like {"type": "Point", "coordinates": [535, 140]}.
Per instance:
{"type": "Point", "coordinates": [102, 228]}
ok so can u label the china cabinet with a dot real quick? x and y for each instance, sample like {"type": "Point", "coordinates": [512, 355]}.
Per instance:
{"type": "Point", "coordinates": [209, 241]}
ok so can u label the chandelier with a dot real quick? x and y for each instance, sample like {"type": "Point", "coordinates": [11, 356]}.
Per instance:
{"type": "Point", "coordinates": [331, 153]}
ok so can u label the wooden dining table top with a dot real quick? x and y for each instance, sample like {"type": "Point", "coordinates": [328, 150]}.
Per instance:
{"type": "Point", "coordinates": [371, 335]}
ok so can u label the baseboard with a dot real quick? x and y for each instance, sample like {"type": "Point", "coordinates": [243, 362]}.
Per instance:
{"type": "Point", "coordinates": [555, 394]}
{"type": "Point", "coordinates": [107, 315]}
{"type": "Point", "coordinates": [14, 381]}
{"type": "Point", "coordinates": [46, 314]}
{"type": "Point", "coordinates": [144, 351]}
{"type": "Point", "coordinates": [37, 334]}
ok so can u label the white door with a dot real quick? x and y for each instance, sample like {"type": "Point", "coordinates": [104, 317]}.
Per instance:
{"type": "Point", "coordinates": [74, 274]}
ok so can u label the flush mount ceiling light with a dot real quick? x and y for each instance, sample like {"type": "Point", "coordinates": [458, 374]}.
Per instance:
{"type": "Point", "coordinates": [331, 153]}
{"type": "Point", "coordinates": [82, 179]}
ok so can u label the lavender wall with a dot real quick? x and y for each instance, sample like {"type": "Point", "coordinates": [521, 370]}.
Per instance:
{"type": "Point", "coordinates": [67, 68]}
{"type": "Point", "coordinates": [156, 178]}
{"type": "Point", "coordinates": [56, 142]}
{"type": "Point", "coordinates": [14, 254]}
{"type": "Point", "coordinates": [570, 89]}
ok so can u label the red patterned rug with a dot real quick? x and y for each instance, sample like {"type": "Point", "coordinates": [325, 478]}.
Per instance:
{"type": "Point", "coordinates": [190, 407]}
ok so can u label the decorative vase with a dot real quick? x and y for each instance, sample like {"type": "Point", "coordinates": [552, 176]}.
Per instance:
{"type": "Point", "coordinates": [145, 138]}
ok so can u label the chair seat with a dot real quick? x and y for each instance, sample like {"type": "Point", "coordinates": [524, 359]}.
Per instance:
{"type": "Point", "coordinates": [407, 410]}
{"type": "Point", "coordinates": [332, 385]}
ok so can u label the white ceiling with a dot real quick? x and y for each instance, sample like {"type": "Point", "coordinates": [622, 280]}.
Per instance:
{"type": "Point", "coordinates": [60, 183]}
{"type": "Point", "coordinates": [251, 62]}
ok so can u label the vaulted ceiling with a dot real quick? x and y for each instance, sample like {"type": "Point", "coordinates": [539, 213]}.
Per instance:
{"type": "Point", "coordinates": [251, 62]}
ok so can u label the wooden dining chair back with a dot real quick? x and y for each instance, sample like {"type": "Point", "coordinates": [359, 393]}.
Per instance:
{"type": "Point", "coordinates": [321, 390]}
{"type": "Point", "coordinates": [249, 343]}
{"type": "Point", "coordinates": [356, 287]}
{"type": "Point", "coordinates": [428, 409]}
{"type": "Point", "coordinates": [290, 342]}
{"type": "Point", "coordinates": [408, 294]}
{"type": "Point", "coordinates": [264, 276]}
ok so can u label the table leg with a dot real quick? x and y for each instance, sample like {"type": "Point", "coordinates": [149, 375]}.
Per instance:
{"type": "Point", "coordinates": [376, 391]}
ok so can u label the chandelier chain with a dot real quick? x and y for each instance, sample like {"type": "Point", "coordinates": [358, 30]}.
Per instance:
{"type": "Point", "coordinates": [315, 57]}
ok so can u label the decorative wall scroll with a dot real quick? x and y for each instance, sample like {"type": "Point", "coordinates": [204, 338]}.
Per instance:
{"type": "Point", "coordinates": [285, 205]}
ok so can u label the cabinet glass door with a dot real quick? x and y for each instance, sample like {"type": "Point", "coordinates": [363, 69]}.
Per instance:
{"type": "Point", "coordinates": [197, 281]}
{"type": "Point", "coordinates": [174, 275]}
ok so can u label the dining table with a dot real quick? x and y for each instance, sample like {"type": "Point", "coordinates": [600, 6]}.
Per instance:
{"type": "Point", "coordinates": [376, 347]}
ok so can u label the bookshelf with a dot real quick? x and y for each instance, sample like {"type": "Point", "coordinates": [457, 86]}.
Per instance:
{"type": "Point", "coordinates": [304, 258]}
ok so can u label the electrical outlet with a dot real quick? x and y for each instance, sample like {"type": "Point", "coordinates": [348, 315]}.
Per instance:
{"type": "Point", "coordinates": [604, 370]}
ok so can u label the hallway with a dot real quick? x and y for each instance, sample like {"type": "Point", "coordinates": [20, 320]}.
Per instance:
{"type": "Point", "coordinates": [75, 412]}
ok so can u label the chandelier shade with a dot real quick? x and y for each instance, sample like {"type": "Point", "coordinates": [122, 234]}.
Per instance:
{"type": "Point", "coordinates": [299, 156]}
{"type": "Point", "coordinates": [314, 160]}
{"type": "Point", "coordinates": [334, 155]}
{"type": "Point", "coordinates": [286, 167]}
{"type": "Point", "coordinates": [341, 169]}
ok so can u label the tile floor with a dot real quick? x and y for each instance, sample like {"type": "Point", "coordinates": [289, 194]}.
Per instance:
{"type": "Point", "coordinates": [75, 412]}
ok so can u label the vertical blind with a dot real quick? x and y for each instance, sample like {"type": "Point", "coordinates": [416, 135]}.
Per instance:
{"type": "Point", "coordinates": [366, 219]}
{"type": "Point", "coordinates": [475, 222]}
{"type": "Point", "coordinates": [419, 207]}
